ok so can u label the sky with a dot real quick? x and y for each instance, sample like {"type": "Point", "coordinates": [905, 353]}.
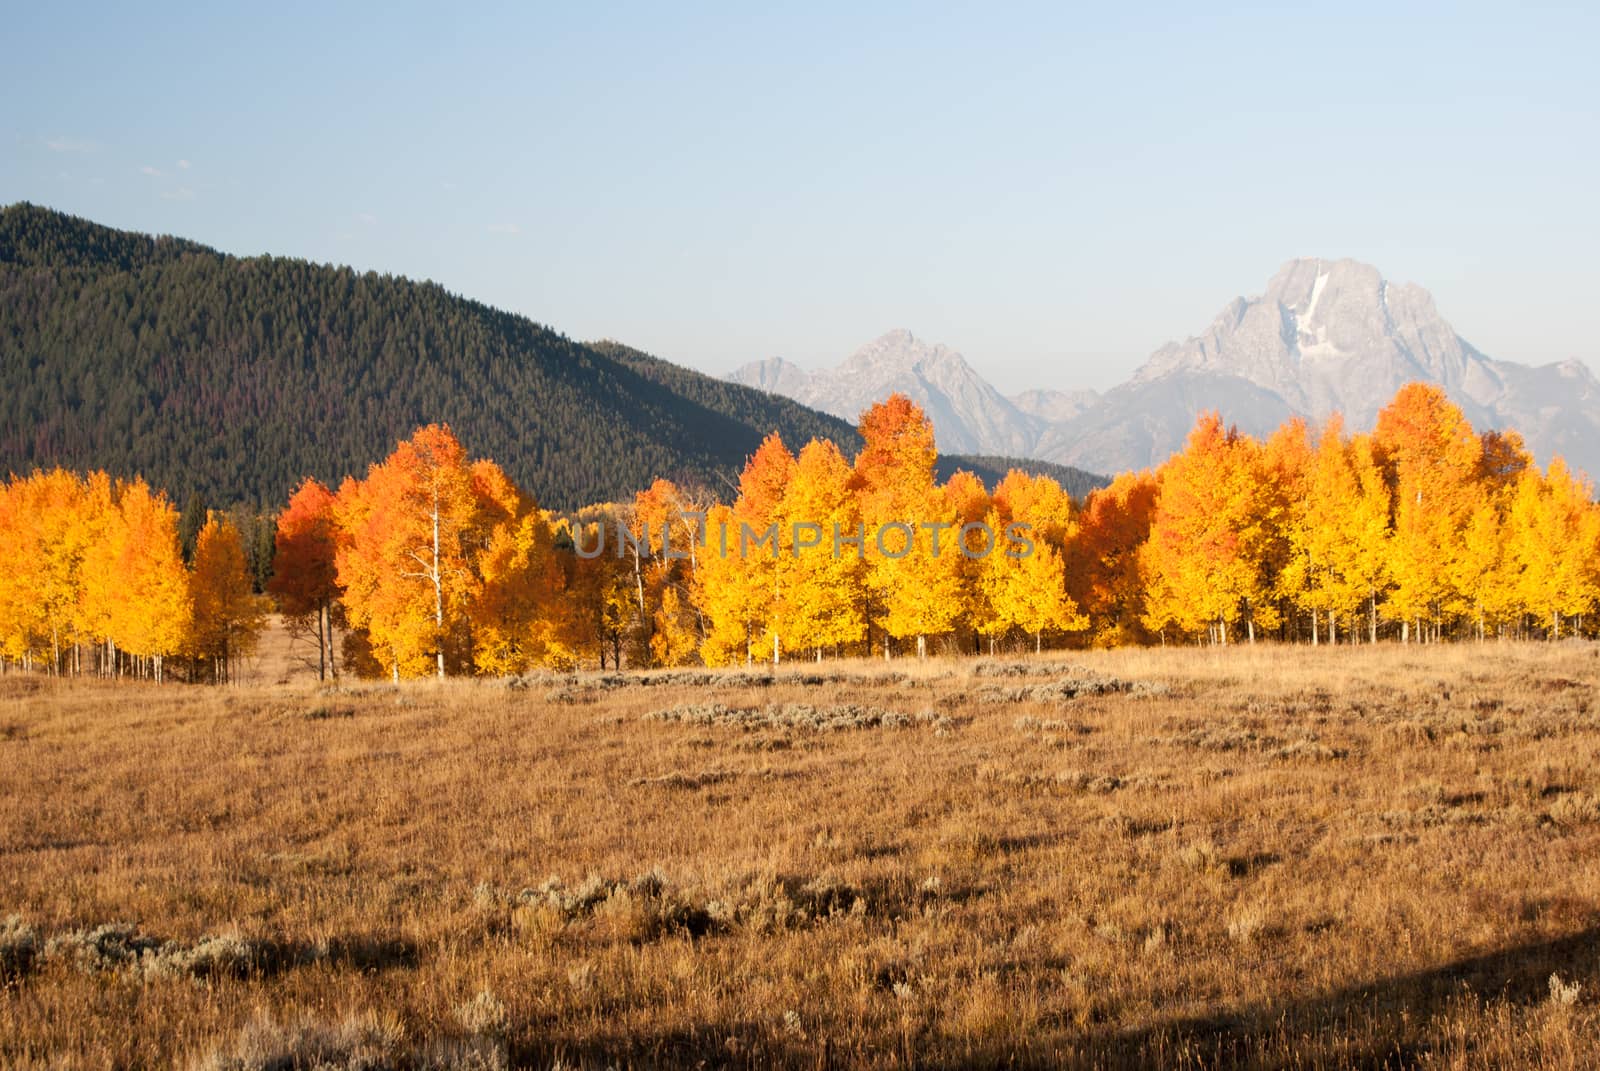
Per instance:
{"type": "Point", "coordinates": [1052, 190]}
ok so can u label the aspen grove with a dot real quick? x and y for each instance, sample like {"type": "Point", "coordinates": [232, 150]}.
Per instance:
{"type": "Point", "coordinates": [434, 563]}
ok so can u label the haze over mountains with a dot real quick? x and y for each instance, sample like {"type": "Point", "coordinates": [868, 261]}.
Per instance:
{"type": "Point", "coordinates": [1324, 336]}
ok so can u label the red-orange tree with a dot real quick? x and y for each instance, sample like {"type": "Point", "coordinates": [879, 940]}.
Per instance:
{"type": "Point", "coordinates": [410, 537]}
{"type": "Point", "coordinates": [304, 576]}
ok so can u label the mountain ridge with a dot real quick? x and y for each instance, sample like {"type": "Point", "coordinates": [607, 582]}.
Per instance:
{"type": "Point", "coordinates": [967, 413]}
{"type": "Point", "coordinates": [234, 377]}
{"type": "Point", "coordinates": [1329, 336]}
{"type": "Point", "coordinates": [1324, 336]}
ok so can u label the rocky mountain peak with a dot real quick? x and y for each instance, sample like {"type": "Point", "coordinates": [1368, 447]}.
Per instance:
{"type": "Point", "coordinates": [969, 415]}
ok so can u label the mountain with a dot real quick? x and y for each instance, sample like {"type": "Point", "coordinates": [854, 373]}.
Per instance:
{"type": "Point", "coordinates": [969, 416]}
{"type": "Point", "coordinates": [1325, 336]}
{"type": "Point", "coordinates": [234, 377]}
{"type": "Point", "coordinates": [1054, 406]}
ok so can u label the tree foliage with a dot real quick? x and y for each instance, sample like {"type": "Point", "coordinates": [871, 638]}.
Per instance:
{"type": "Point", "coordinates": [435, 563]}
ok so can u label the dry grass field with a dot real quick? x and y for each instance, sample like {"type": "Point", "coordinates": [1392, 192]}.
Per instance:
{"type": "Point", "coordinates": [1249, 857]}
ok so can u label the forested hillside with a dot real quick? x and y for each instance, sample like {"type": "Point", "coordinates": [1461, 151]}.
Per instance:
{"type": "Point", "coordinates": [235, 377]}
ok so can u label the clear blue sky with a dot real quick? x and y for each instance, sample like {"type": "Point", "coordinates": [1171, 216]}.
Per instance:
{"type": "Point", "coordinates": [1052, 190]}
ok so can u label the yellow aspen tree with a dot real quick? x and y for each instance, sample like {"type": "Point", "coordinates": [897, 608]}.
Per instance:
{"type": "Point", "coordinates": [1481, 570]}
{"type": "Point", "coordinates": [674, 637]}
{"type": "Point", "coordinates": [600, 586]}
{"type": "Point", "coordinates": [134, 579]}
{"type": "Point", "coordinates": [723, 594]}
{"type": "Point", "coordinates": [20, 601]}
{"type": "Point", "coordinates": [910, 526]}
{"type": "Point", "coordinates": [1325, 519]}
{"type": "Point", "coordinates": [1434, 460]}
{"type": "Point", "coordinates": [1278, 500]}
{"type": "Point", "coordinates": [1204, 560]}
{"type": "Point", "coordinates": [969, 502]}
{"type": "Point", "coordinates": [517, 607]}
{"type": "Point", "coordinates": [98, 591]}
{"type": "Point", "coordinates": [1555, 530]}
{"type": "Point", "coordinates": [1023, 580]}
{"type": "Point", "coordinates": [821, 576]}
{"type": "Point", "coordinates": [1362, 558]}
{"type": "Point", "coordinates": [45, 531]}
{"type": "Point", "coordinates": [226, 614]}
{"type": "Point", "coordinates": [520, 613]}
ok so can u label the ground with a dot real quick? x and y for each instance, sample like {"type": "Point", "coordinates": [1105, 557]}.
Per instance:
{"type": "Point", "coordinates": [1370, 856]}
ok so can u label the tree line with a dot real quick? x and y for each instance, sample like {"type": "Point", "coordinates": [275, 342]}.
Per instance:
{"type": "Point", "coordinates": [94, 580]}
{"type": "Point", "coordinates": [435, 563]}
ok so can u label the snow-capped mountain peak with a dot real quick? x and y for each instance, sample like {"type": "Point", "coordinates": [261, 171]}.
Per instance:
{"type": "Point", "coordinates": [1326, 336]}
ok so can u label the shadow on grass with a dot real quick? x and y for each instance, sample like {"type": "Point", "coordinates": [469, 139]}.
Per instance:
{"type": "Point", "coordinates": [1379, 1024]}
{"type": "Point", "coordinates": [1386, 1023]}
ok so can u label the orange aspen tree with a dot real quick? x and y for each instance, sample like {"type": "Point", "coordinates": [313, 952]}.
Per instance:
{"type": "Point", "coordinates": [1102, 562]}
{"type": "Point", "coordinates": [755, 545]}
{"type": "Point", "coordinates": [968, 501]}
{"type": "Point", "coordinates": [227, 615]}
{"type": "Point", "coordinates": [677, 626]}
{"type": "Point", "coordinates": [1204, 559]}
{"type": "Point", "coordinates": [664, 554]}
{"type": "Point", "coordinates": [600, 585]}
{"type": "Point", "coordinates": [910, 527]}
{"type": "Point", "coordinates": [409, 534]}
{"type": "Point", "coordinates": [304, 578]}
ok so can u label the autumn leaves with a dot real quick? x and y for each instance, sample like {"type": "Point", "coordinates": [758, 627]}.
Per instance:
{"type": "Point", "coordinates": [888, 586]}
{"type": "Point", "coordinates": [436, 564]}
{"type": "Point", "coordinates": [441, 563]}
{"type": "Point", "coordinates": [1424, 528]}
{"type": "Point", "coordinates": [91, 580]}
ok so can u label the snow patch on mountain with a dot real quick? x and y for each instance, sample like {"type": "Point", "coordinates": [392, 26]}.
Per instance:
{"type": "Point", "coordinates": [1326, 336]}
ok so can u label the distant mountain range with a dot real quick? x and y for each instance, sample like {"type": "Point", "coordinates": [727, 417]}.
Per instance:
{"type": "Point", "coordinates": [233, 377]}
{"type": "Point", "coordinates": [1325, 336]}
{"type": "Point", "coordinates": [968, 414]}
